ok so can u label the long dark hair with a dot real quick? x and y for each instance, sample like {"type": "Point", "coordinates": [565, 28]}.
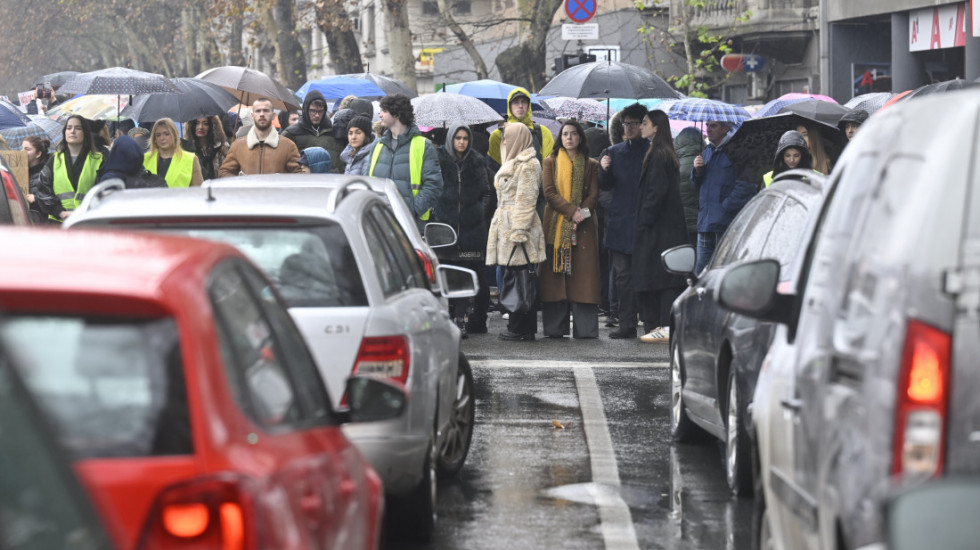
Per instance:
{"type": "Point", "coordinates": [88, 142]}
{"type": "Point", "coordinates": [663, 140]}
{"type": "Point", "coordinates": [583, 146]}
{"type": "Point", "coordinates": [215, 139]}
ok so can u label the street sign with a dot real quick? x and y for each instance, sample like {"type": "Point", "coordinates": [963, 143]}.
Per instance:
{"type": "Point", "coordinates": [748, 62]}
{"type": "Point", "coordinates": [580, 11]}
{"type": "Point", "coordinates": [585, 31]}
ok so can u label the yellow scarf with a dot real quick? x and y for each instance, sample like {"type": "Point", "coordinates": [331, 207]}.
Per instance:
{"type": "Point", "coordinates": [569, 179]}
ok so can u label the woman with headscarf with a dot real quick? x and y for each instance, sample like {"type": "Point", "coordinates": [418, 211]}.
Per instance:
{"type": "Point", "coordinates": [791, 152]}
{"type": "Point", "coordinates": [205, 136]}
{"type": "Point", "coordinates": [659, 225]}
{"type": "Point", "coordinates": [73, 170]}
{"type": "Point", "coordinates": [570, 275]}
{"type": "Point", "coordinates": [515, 224]}
{"type": "Point", "coordinates": [168, 160]}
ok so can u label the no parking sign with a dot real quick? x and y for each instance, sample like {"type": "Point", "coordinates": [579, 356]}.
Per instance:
{"type": "Point", "coordinates": [580, 11]}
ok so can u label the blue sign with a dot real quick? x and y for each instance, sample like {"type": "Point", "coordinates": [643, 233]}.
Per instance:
{"type": "Point", "coordinates": [580, 11]}
{"type": "Point", "coordinates": [752, 62]}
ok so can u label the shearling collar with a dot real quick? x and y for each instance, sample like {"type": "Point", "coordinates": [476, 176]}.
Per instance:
{"type": "Point", "coordinates": [253, 139]}
{"type": "Point", "coordinates": [510, 166]}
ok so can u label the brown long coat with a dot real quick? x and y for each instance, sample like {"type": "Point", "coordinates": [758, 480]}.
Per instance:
{"type": "Point", "coordinates": [582, 285]}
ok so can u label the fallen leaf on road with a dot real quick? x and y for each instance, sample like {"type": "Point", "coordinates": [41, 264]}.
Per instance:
{"type": "Point", "coordinates": [558, 425]}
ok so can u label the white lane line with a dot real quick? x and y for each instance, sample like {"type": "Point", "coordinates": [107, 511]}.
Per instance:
{"type": "Point", "coordinates": [555, 364]}
{"type": "Point", "coordinates": [614, 514]}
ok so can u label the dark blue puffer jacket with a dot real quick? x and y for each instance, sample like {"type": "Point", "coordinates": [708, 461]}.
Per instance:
{"type": "Point", "coordinates": [623, 179]}
{"type": "Point", "coordinates": [720, 194]}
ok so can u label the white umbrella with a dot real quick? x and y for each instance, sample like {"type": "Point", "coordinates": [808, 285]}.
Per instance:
{"type": "Point", "coordinates": [442, 110]}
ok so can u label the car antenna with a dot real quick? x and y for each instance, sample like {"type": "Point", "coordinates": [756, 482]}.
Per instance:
{"type": "Point", "coordinates": [210, 196]}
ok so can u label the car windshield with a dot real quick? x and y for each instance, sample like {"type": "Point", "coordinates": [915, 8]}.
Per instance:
{"type": "Point", "coordinates": [311, 266]}
{"type": "Point", "coordinates": [112, 387]}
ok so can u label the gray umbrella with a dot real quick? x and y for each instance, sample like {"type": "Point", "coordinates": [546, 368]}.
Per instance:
{"type": "Point", "coordinates": [389, 85]}
{"type": "Point", "coordinates": [118, 81]}
{"type": "Point", "coordinates": [55, 79]}
{"type": "Point", "coordinates": [869, 102]}
{"type": "Point", "coordinates": [442, 110]}
{"type": "Point", "coordinates": [605, 79]}
{"type": "Point", "coordinates": [814, 109]}
{"type": "Point", "coordinates": [248, 85]}
{"type": "Point", "coordinates": [198, 98]}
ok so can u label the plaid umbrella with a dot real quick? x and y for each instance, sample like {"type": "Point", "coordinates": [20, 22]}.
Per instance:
{"type": "Point", "coordinates": [580, 109]}
{"type": "Point", "coordinates": [389, 85]}
{"type": "Point", "coordinates": [11, 116]}
{"type": "Point", "coordinates": [870, 102]}
{"type": "Point", "coordinates": [695, 109]}
{"type": "Point", "coordinates": [119, 81]}
{"type": "Point", "coordinates": [39, 125]}
{"type": "Point", "coordinates": [442, 110]}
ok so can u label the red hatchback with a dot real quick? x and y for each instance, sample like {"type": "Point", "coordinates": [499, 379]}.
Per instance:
{"type": "Point", "coordinates": [186, 397]}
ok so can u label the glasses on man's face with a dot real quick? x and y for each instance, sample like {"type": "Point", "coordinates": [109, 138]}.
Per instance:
{"type": "Point", "coordinates": [631, 124]}
{"type": "Point", "coordinates": [316, 111]}
{"type": "Point", "coordinates": [712, 125]}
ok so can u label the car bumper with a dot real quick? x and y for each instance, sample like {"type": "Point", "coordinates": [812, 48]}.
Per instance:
{"type": "Point", "coordinates": [396, 457]}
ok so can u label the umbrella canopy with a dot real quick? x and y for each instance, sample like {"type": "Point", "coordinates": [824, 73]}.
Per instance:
{"type": "Point", "coordinates": [772, 107]}
{"type": "Point", "coordinates": [92, 107]}
{"type": "Point", "coordinates": [696, 109]}
{"type": "Point", "coordinates": [56, 80]}
{"type": "Point", "coordinates": [608, 79]}
{"type": "Point", "coordinates": [620, 103]}
{"type": "Point", "coordinates": [389, 85]}
{"type": "Point", "coordinates": [577, 108]}
{"type": "Point", "coordinates": [442, 110]}
{"type": "Point", "coordinates": [337, 87]}
{"type": "Point", "coordinates": [753, 145]}
{"type": "Point", "coordinates": [248, 85]}
{"type": "Point", "coordinates": [493, 93]}
{"type": "Point", "coordinates": [11, 116]}
{"type": "Point", "coordinates": [119, 81]}
{"type": "Point", "coordinates": [870, 102]}
{"type": "Point", "coordinates": [821, 111]}
{"type": "Point", "coordinates": [818, 97]}
{"type": "Point", "coordinates": [896, 98]}
{"type": "Point", "coordinates": [198, 98]}
{"type": "Point", "coordinates": [943, 87]}
{"type": "Point", "coordinates": [39, 125]}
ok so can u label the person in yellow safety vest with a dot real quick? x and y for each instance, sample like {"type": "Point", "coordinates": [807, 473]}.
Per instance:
{"type": "Point", "coordinates": [167, 159]}
{"type": "Point", "coordinates": [403, 155]}
{"type": "Point", "coordinates": [72, 170]}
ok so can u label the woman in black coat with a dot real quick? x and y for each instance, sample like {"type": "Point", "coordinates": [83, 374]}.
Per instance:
{"type": "Point", "coordinates": [464, 190]}
{"type": "Point", "coordinates": [659, 225]}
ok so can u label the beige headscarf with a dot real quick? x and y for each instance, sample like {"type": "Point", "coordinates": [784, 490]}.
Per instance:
{"type": "Point", "coordinates": [517, 138]}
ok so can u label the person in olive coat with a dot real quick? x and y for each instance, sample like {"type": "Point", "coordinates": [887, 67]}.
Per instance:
{"type": "Point", "coordinates": [659, 225]}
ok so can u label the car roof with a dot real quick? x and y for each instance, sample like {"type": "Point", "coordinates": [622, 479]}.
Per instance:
{"type": "Point", "coordinates": [133, 264]}
{"type": "Point", "coordinates": [327, 181]}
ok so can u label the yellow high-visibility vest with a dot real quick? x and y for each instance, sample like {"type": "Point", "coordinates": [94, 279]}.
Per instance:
{"type": "Point", "coordinates": [180, 172]}
{"type": "Point", "coordinates": [416, 152]}
{"type": "Point", "coordinates": [69, 196]}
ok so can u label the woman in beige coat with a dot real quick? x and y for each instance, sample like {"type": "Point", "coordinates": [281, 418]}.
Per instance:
{"type": "Point", "coordinates": [516, 222]}
{"type": "Point", "coordinates": [570, 276]}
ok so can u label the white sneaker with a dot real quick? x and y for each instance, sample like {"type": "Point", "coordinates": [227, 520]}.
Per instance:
{"type": "Point", "coordinates": [659, 334]}
{"type": "Point", "coordinates": [505, 316]}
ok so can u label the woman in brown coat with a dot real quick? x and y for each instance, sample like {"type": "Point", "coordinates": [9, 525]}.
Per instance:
{"type": "Point", "coordinates": [570, 275]}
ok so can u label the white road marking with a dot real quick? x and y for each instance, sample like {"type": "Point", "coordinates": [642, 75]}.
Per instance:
{"type": "Point", "coordinates": [555, 364]}
{"type": "Point", "coordinates": [614, 514]}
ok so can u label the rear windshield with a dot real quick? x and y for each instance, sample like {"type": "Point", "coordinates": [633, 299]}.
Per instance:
{"type": "Point", "coordinates": [311, 266]}
{"type": "Point", "coordinates": [111, 387]}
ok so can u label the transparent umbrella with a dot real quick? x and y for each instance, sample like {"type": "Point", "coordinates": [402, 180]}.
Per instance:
{"type": "Point", "coordinates": [443, 110]}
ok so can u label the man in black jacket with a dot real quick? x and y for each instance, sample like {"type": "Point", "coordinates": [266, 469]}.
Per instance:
{"type": "Point", "coordinates": [314, 130]}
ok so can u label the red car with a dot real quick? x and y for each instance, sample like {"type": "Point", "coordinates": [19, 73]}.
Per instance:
{"type": "Point", "coordinates": [13, 206]}
{"type": "Point", "coordinates": [192, 409]}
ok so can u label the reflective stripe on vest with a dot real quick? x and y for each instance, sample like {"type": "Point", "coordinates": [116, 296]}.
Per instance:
{"type": "Point", "coordinates": [69, 196]}
{"type": "Point", "coordinates": [416, 153]}
{"type": "Point", "coordinates": [180, 172]}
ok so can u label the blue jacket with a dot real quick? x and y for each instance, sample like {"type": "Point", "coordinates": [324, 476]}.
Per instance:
{"type": "Point", "coordinates": [394, 164]}
{"type": "Point", "coordinates": [623, 179]}
{"type": "Point", "coordinates": [721, 195]}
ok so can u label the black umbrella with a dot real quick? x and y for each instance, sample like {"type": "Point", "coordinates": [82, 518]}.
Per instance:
{"type": "Point", "coordinates": [118, 81]}
{"type": "Point", "coordinates": [56, 80]}
{"type": "Point", "coordinates": [198, 98]}
{"type": "Point", "coordinates": [753, 146]}
{"type": "Point", "coordinates": [943, 87]}
{"type": "Point", "coordinates": [606, 79]}
{"type": "Point", "coordinates": [389, 85]}
{"type": "Point", "coordinates": [814, 109]}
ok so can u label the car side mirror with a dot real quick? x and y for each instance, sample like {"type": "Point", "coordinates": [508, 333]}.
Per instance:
{"type": "Point", "coordinates": [750, 289]}
{"type": "Point", "coordinates": [372, 399]}
{"type": "Point", "coordinates": [456, 282]}
{"type": "Point", "coordinates": [680, 260]}
{"type": "Point", "coordinates": [438, 235]}
{"type": "Point", "coordinates": [937, 514]}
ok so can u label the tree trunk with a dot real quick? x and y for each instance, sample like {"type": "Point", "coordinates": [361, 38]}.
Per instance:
{"type": "Point", "coordinates": [235, 54]}
{"type": "Point", "coordinates": [400, 42]}
{"type": "Point", "coordinates": [542, 13]}
{"type": "Point", "coordinates": [342, 46]}
{"type": "Point", "coordinates": [190, 41]}
{"type": "Point", "coordinates": [464, 40]}
{"type": "Point", "coordinates": [685, 21]}
{"type": "Point", "coordinates": [289, 52]}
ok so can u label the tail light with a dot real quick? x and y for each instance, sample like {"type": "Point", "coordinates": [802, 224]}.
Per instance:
{"type": "Point", "coordinates": [383, 357]}
{"type": "Point", "coordinates": [923, 395]}
{"type": "Point", "coordinates": [430, 270]}
{"type": "Point", "coordinates": [214, 513]}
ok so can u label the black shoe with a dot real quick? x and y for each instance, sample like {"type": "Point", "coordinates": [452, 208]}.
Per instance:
{"type": "Point", "coordinates": [612, 322]}
{"type": "Point", "coordinates": [476, 328]}
{"type": "Point", "coordinates": [462, 329]}
{"type": "Point", "coordinates": [513, 336]}
{"type": "Point", "coordinates": [623, 333]}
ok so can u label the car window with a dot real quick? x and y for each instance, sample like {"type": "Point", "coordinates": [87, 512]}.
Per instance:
{"type": "Point", "coordinates": [296, 356]}
{"type": "Point", "coordinates": [783, 241]}
{"type": "Point", "coordinates": [252, 356]}
{"type": "Point", "coordinates": [389, 275]}
{"type": "Point", "coordinates": [746, 227]}
{"type": "Point", "coordinates": [113, 387]}
{"type": "Point", "coordinates": [405, 253]}
{"type": "Point", "coordinates": [311, 266]}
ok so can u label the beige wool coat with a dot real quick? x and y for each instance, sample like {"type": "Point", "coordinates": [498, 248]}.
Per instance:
{"type": "Point", "coordinates": [516, 221]}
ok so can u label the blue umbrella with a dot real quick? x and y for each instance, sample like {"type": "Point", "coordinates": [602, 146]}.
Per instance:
{"type": "Point", "coordinates": [493, 93]}
{"type": "Point", "coordinates": [11, 116]}
{"type": "Point", "coordinates": [336, 87]}
{"type": "Point", "coordinates": [695, 109]}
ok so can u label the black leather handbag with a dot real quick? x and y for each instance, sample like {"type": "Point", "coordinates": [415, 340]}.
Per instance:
{"type": "Point", "coordinates": [519, 286]}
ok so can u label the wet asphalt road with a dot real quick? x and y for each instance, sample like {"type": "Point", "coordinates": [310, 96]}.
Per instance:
{"type": "Point", "coordinates": [610, 479]}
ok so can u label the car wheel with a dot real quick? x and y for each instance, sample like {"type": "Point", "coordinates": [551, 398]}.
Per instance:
{"type": "Point", "coordinates": [415, 514]}
{"type": "Point", "coordinates": [738, 466]}
{"type": "Point", "coordinates": [681, 427]}
{"type": "Point", "coordinates": [459, 433]}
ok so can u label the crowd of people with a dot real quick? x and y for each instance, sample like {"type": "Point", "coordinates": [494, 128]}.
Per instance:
{"type": "Point", "coordinates": [593, 209]}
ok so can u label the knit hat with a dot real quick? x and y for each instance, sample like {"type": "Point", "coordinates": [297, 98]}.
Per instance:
{"type": "Point", "coordinates": [362, 122]}
{"type": "Point", "coordinates": [362, 107]}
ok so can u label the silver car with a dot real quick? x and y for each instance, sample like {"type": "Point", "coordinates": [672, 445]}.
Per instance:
{"type": "Point", "coordinates": [358, 289]}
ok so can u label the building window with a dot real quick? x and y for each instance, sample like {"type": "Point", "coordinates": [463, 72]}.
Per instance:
{"type": "Point", "coordinates": [462, 7]}
{"type": "Point", "coordinates": [801, 85]}
{"type": "Point", "coordinates": [430, 8]}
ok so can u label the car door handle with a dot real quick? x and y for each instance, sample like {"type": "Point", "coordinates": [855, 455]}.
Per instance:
{"type": "Point", "coordinates": [792, 404]}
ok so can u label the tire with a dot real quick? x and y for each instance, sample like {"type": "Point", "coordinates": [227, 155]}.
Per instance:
{"type": "Point", "coordinates": [456, 440]}
{"type": "Point", "coordinates": [681, 427]}
{"type": "Point", "coordinates": [737, 449]}
{"type": "Point", "coordinates": [414, 516]}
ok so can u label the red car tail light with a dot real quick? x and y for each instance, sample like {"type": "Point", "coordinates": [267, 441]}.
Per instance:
{"type": "Point", "coordinates": [430, 270]}
{"type": "Point", "coordinates": [383, 357]}
{"type": "Point", "coordinates": [923, 395]}
{"type": "Point", "coordinates": [215, 512]}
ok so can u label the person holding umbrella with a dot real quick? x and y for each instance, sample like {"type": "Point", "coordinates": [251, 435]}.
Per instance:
{"type": "Point", "coordinates": [73, 170]}
{"type": "Point", "coordinates": [168, 160]}
{"type": "Point", "coordinates": [205, 136]}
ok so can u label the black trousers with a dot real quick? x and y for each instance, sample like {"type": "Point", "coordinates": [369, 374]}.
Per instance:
{"type": "Point", "coordinates": [555, 319]}
{"type": "Point", "coordinates": [523, 323]}
{"type": "Point", "coordinates": [623, 266]}
{"type": "Point", "coordinates": [481, 302]}
{"type": "Point", "coordinates": [655, 307]}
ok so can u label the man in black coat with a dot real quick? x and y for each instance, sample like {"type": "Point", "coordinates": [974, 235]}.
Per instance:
{"type": "Point", "coordinates": [315, 130]}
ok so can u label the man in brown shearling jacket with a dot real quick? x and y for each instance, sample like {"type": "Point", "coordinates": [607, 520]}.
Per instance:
{"type": "Point", "coordinates": [262, 150]}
